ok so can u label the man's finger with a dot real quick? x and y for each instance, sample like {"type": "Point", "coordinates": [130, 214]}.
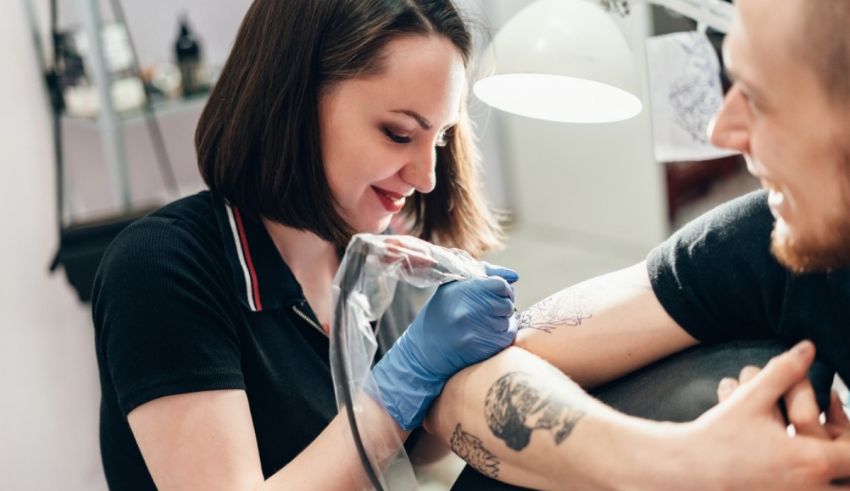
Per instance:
{"type": "Point", "coordinates": [837, 423]}
{"type": "Point", "coordinates": [780, 374]}
{"type": "Point", "coordinates": [803, 411]}
{"type": "Point", "coordinates": [747, 374]}
{"type": "Point", "coordinates": [725, 388]}
{"type": "Point", "coordinates": [836, 413]}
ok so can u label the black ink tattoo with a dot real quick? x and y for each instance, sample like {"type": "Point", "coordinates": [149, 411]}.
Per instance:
{"type": "Point", "coordinates": [471, 449]}
{"type": "Point", "coordinates": [515, 406]}
{"type": "Point", "coordinates": [568, 308]}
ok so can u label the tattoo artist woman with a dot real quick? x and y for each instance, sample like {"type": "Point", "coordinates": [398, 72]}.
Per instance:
{"type": "Point", "coordinates": [211, 314]}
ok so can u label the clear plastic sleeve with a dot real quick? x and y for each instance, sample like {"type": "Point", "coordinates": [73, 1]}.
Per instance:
{"type": "Point", "coordinates": [363, 289]}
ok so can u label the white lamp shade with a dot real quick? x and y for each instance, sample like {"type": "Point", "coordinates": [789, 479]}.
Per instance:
{"type": "Point", "coordinates": [562, 60]}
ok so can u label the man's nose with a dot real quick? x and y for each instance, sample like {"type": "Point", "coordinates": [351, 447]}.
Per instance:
{"type": "Point", "coordinates": [730, 128]}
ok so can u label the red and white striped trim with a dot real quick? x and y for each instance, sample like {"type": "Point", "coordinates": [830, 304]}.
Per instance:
{"type": "Point", "coordinates": [237, 227]}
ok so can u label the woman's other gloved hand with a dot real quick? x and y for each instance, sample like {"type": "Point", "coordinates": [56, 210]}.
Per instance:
{"type": "Point", "coordinates": [463, 323]}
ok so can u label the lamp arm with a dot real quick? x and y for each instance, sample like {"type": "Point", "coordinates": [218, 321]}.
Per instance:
{"type": "Point", "coordinates": [715, 14]}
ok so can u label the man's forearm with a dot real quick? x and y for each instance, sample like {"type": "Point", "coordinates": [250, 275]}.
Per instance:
{"type": "Point", "coordinates": [518, 419]}
{"type": "Point", "coordinates": [603, 328]}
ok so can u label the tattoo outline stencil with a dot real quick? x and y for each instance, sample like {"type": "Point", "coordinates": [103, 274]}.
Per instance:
{"type": "Point", "coordinates": [568, 308]}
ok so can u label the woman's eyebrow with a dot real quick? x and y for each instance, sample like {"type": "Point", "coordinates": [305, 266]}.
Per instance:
{"type": "Point", "coordinates": [424, 123]}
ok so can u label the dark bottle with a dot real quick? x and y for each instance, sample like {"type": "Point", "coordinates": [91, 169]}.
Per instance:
{"type": "Point", "coordinates": [188, 53]}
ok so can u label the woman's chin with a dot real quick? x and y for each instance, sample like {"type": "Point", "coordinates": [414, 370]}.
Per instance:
{"type": "Point", "coordinates": [374, 226]}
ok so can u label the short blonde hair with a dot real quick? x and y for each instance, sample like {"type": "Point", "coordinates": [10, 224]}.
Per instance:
{"type": "Point", "coordinates": [826, 27]}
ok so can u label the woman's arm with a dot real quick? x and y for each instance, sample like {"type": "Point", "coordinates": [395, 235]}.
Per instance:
{"type": "Point", "coordinates": [206, 440]}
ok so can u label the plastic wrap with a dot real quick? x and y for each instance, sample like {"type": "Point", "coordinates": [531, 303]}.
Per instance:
{"type": "Point", "coordinates": [363, 289]}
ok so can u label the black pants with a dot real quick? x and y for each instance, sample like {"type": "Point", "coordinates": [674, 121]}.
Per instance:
{"type": "Point", "coordinates": [678, 388]}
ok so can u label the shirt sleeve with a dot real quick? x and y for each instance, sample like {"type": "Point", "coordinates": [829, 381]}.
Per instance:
{"type": "Point", "coordinates": [716, 277]}
{"type": "Point", "coordinates": [164, 321]}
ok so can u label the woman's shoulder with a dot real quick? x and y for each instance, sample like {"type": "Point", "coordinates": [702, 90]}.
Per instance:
{"type": "Point", "coordinates": [182, 235]}
{"type": "Point", "coordinates": [177, 224]}
{"type": "Point", "coordinates": [192, 212]}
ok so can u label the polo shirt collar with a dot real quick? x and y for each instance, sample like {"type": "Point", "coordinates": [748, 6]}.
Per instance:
{"type": "Point", "coordinates": [263, 280]}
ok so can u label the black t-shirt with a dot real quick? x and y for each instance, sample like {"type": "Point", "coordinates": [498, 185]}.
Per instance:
{"type": "Point", "coordinates": [718, 279]}
{"type": "Point", "coordinates": [196, 297]}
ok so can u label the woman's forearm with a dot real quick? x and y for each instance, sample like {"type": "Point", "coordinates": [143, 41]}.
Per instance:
{"type": "Point", "coordinates": [467, 321]}
{"type": "Point", "coordinates": [331, 461]}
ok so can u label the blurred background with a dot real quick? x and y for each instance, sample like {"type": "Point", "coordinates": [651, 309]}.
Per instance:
{"type": "Point", "coordinates": [580, 199]}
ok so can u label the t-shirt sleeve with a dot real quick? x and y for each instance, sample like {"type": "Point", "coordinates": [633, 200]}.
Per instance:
{"type": "Point", "coordinates": [164, 322]}
{"type": "Point", "coordinates": [716, 277]}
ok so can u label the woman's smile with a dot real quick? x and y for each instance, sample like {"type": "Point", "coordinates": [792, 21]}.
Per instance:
{"type": "Point", "coordinates": [392, 202]}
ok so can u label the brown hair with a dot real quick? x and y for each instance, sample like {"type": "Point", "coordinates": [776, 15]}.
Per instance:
{"type": "Point", "coordinates": [825, 25]}
{"type": "Point", "coordinates": [258, 136]}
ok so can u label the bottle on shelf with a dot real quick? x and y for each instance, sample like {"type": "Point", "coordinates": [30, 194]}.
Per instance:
{"type": "Point", "coordinates": [189, 60]}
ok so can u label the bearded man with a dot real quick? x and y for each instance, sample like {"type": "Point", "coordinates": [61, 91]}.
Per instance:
{"type": "Point", "coordinates": [749, 279]}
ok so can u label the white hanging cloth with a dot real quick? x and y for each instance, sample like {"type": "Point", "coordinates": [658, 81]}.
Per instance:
{"type": "Point", "coordinates": [685, 94]}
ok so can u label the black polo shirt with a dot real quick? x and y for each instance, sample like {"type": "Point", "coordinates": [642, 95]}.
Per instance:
{"type": "Point", "coordinates": [196, 297]}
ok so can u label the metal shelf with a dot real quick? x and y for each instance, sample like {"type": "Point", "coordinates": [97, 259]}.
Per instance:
{"type": "Point", "coordinates": [164, 109]}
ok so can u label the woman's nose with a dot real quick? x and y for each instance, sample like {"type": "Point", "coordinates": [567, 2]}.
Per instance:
{"type": "Point", "coordinates": [420, 171]}
{"type": "Point", "coordinates": [730, 128]}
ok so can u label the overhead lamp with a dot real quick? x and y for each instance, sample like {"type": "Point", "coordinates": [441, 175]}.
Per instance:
{"type": "Point", "coordinates": [563, 60]}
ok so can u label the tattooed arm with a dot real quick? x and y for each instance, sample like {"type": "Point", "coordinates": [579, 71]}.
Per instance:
{"type": "Point", "coordinates": [517, 419]}
{"type": "Point", "coordinates": [603, 328]}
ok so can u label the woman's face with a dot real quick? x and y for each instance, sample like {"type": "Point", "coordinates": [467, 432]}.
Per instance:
{"type": "Point", "coordinates": [379, 133]}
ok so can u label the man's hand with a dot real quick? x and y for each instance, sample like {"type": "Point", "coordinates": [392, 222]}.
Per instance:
{"type": "Point", "coordinates": [801, 409]}
{"type": "Point", "coordinates": [766, 457]}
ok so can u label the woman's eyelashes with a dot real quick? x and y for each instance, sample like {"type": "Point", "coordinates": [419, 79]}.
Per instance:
{"type": "Point", "coordinates": [397, 137]}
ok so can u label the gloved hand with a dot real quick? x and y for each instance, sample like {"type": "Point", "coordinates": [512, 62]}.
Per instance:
{"type": "Point", "coordinates": [464, 323]}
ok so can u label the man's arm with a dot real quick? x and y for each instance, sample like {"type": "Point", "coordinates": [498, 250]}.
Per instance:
{"type": "Point", "coordinates": [603, 328]}
{"type": "Point", "coordinates": [517, 419]}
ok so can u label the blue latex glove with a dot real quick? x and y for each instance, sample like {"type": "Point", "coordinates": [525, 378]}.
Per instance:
{"type": "Point", "coordinates": [465, 322]}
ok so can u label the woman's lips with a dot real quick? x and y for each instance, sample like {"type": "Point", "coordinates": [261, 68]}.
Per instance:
{"type": "Point", "coordinates": [392, 202]}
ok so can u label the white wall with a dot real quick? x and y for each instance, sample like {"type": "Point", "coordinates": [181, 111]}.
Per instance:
{"type": "Point", "coordinates": [48, 377]}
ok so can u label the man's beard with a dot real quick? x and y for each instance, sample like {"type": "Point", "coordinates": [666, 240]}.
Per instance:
{"type": "Point", "coordinates": [813, 254]}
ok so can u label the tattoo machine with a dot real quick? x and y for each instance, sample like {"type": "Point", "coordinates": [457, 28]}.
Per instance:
{"type": "Point", "coordinates": [363, 289]}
